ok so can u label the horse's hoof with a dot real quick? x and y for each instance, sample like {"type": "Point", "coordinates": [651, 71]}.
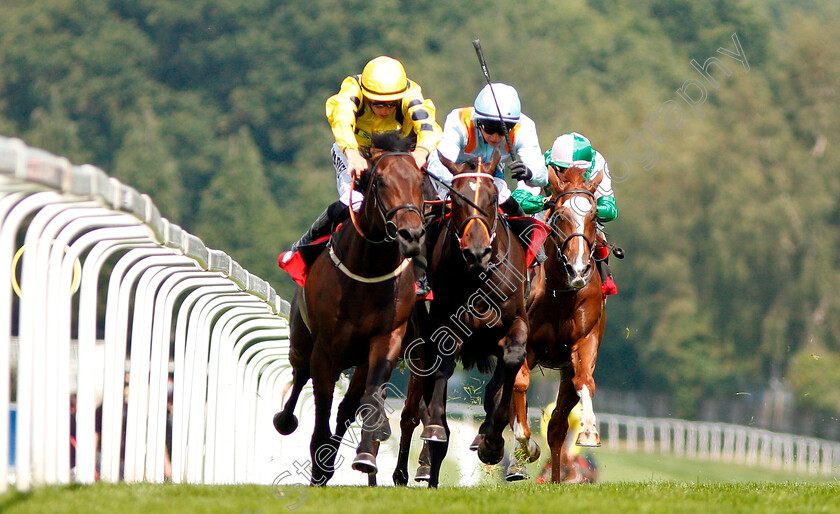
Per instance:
{"type": "Point", "coordinates": [365, 462]}
{"type": "Point", "coordinates": [435, 433]}
{"type": "Point", "coordinates": [589, 439]}
{"type": "Point", "coordinates": [400, 477]}
{"type": "Point", "coordinates": [476, 442]}
{"type": "Point", "coordinates": [424, 473]}
{"type": "Point", "coordinates": [489, 453]}
{"type": "Point", "coordinates": [517, 471]}
{"type": "Point", "coordinates": [285, 424]}
{"type": "Point", "coordinates": [533, 451]}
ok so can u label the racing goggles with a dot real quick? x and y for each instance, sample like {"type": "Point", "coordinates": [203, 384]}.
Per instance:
{"type": "Point", "coordinates": [495, 126]}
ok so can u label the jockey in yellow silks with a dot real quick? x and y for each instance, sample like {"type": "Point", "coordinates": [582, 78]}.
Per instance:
{"type": "Point", "coordinates": [381, 99]}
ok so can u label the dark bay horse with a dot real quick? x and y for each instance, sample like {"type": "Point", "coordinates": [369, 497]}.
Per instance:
{"type": "Point", "coordinates": [354, 309]}
{"type": "Point", "coordinates": [566, 314]}
{"type": "Point", "coordinates": [477, 271]}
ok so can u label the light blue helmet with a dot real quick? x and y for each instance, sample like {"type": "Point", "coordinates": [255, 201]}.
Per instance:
{"type": "Point", "coordinates": [508, 98]}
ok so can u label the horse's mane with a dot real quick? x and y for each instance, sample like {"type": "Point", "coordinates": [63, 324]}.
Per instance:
{"type": "Point", "coordinates": [392, 141]}
{"type": "Point", "coordinates": [472, 162]}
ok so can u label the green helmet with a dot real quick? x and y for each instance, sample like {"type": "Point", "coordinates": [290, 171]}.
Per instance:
{"type": "Point", "coordinates": [570, 150]}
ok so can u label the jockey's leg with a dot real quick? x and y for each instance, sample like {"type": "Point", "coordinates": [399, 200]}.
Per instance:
{"type": "Point", "coordinates": [512, 208]}
{"type": "Point", "coordinates": [335, 213]}
{"type": "Point", "coordinates": [602, 258]}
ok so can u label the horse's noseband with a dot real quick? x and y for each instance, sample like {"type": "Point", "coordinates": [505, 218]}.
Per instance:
{"type": "Point", "coordinates": [481, 218]}
{"type": "Point", "coordinates": [561, 248]}
{"type": "Point", "coordinates": [390, 225]}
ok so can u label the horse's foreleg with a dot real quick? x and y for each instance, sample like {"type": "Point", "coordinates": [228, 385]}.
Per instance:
{"type": "Point", "coordinates": [526, 449]}
{"type": "Point", "coordinates": [584, 353]}
{"type": "Point", "coordinates": [285, 421]}
{"type": "Point", "coordinates": [492, 447]}
{"type": "Point", "coordinates": [492, 396]}
{"type": "Point", "coordinates": [558, 427]}
{"type": "Point", "coordinates": [409, 419]}
{"type": "Point", "coordinates": [350, 404]}
{"type": "Point", "coordinates": [436, 432]}
{"type": "Point", "coordinates": [384, 351]}
{"type": "Point", "coordinates": [372, 476]}
{"type": "Point", "coordinates": [323, 447]}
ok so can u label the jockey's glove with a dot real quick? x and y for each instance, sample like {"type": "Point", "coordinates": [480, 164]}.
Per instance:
{"type": "Point", "coordinates": [518, 170]}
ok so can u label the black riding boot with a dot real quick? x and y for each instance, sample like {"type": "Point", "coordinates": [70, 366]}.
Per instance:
{"type": "Point", "coordinates": [322, 226]}
{"type": "Point", "coordinates": [604, 269]}
{"type": "Point", "coordinates": [512, 208]}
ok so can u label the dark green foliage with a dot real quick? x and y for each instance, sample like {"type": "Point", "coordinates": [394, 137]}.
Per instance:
{"type": "Point", "coordinates": [216, 109]}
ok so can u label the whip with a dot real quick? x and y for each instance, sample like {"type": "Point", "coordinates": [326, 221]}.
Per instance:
{"type": "Point", "coordinates": [483, 63]}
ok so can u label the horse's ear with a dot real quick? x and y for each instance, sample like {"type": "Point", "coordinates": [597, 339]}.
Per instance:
{"type": "Point", "coordinates": [594, 181]}
{"type": "Point", "coordinates": [494, 159]}
{"type": "Point", "coordinates": [451, 166]}
{"type": "Point", "coordinates": [556, 179]}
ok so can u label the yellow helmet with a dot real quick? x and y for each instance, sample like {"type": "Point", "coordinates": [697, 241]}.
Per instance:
{"type": "Point", "coordinates": [384, 80]}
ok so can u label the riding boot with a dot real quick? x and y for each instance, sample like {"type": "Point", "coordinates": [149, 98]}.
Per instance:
{"type": "Point", "coordinates": [512, 208]}
{"type": "Point", "coordinates": [607, 283]}
{"type": "Point", "coordinates": [334, 213]}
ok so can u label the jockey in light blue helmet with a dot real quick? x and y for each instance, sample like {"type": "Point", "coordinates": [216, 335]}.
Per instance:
{"type": "Point", "coordinates": [508, 103]}
{"type": "Point", "coordinates": [474, 132]}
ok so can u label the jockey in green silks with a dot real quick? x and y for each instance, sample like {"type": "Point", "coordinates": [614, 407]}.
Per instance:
{"type": "Point", "coordinates": [573, 149]}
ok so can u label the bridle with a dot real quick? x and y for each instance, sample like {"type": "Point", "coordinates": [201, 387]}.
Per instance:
{"type": "Point", "coordinates": [386, 215]}
{"type": "Point", "coordinates": [478, 214]}
{"type": "Point", "coordinates": [561, 246]}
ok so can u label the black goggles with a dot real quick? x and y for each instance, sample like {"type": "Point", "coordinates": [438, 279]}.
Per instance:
{"type": "Point", "coordinates": [495, 127]}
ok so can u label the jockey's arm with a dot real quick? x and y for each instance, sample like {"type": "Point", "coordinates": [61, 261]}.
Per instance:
{"type": "Point", "coordinates": [604, 195]}
{"type": "Point", "coordinates": [421, 112]}
{"type": "Point", "coordinates": [528, 148]}
{"type": "Point", "coordinates": [452, 141]}
{"type": "Point", "coordinates": [341, 114]}
{"type": "Point", "coordinates": [528, 198]}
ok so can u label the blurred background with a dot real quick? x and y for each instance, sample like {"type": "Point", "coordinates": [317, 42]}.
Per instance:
{"type": "Point", "coordinates": [728, 306]}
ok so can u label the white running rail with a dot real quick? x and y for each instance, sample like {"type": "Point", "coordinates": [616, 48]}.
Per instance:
{"type": "Point", "coordinates": [87, 248]}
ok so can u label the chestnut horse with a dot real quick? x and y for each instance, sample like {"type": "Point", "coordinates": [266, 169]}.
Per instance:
{"type": "Point", "coordinates": [566, 314]}
{"type": "Point", "coordinates": [355, 306]}
{"type": "Point", "coordinates": [477, 273]}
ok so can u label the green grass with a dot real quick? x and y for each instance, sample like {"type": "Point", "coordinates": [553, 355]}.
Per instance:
{"type": "Point", "coordinates": [629, 482]}
{"type": "Point", "coordinates": [614, 497]}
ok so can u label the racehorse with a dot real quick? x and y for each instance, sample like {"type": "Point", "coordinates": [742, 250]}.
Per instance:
{"type": "Point", "coordinates": [354, 308]}
{"type": "Point", "coordinates": [566, 314]}
{"type": "Point", "coordinates": [477, 274]}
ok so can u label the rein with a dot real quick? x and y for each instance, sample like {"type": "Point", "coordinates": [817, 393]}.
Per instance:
{"type": "Point", "coordinates": [390, 225]}
{"type": "Point", "coordinates": [490, 231]}
{"type": "Point", "coordinates": [561, 248]}
{"type": "Point", "coordinates": [452, 191]}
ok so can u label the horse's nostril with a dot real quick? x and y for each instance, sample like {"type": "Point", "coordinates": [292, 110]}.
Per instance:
{"type": "Point", "coordinates": [486, 253]}
{"type": "Point", "coordinates": [411, 235]}
{"type": "Point", "coordinates": [587, 269]}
